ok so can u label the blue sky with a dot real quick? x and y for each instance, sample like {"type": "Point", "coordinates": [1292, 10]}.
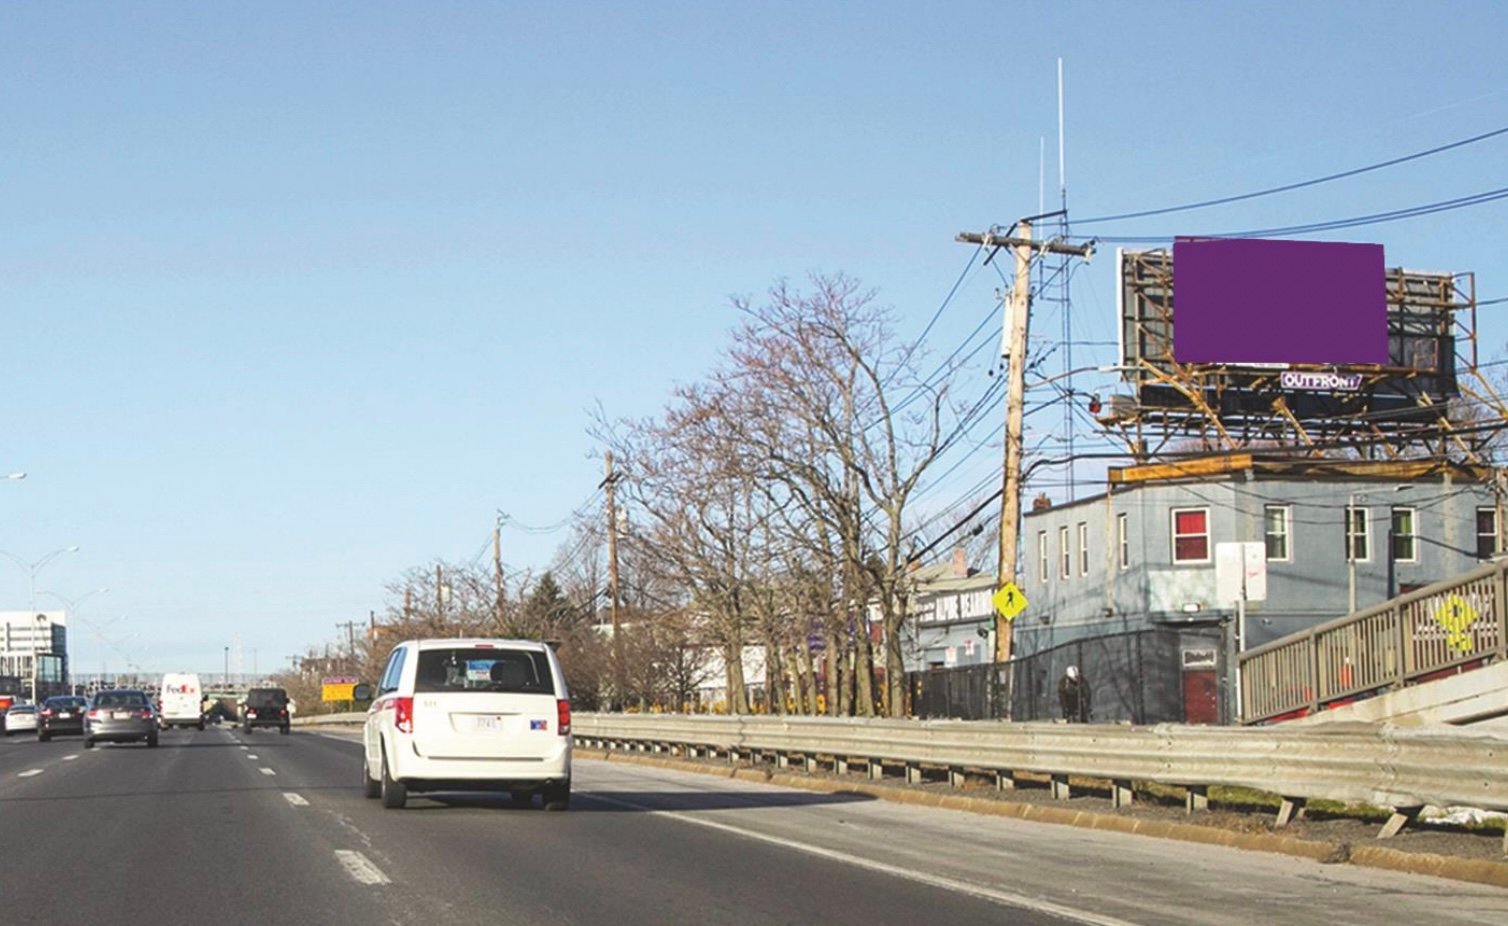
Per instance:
{"type": "Point", "coordinates": [296, 296]}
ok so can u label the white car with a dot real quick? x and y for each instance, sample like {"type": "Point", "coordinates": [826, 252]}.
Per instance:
{"type": "Point", "coordinates": [469, 715]}
{"type": "Point", "coordinates": [21, 717]}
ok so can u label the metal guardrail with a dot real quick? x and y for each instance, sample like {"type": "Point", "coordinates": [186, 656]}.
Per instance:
{"type": "Point", "coordinates": [1404, 769]}
{"type": "Point", "coordinates": [1438, 628]}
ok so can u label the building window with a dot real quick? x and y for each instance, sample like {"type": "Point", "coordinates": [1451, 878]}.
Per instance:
{"type": "Point", "coordinates": [1275, 531]}
{"type": "Point", "coordinates": [1083, 549]}
{"type": "Point", "coordinates": [1487, 532]}
{"type": "Point", "coordinates": [1065, 555]}
{"type": "Point", "coordinates": [1358, 530]}
{"type": "Point", "coordinates": [1402, 536]}
{"type": "Point", "coordinates": [1123, 541]}
{"type": "Point", "coordinates": [1042, 556]}
{"type": "Point", "coordinates": [1191, 535]}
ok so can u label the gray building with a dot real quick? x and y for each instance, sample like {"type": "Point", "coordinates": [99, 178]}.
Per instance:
{"type": "Point", "coordinates": [34, 650]}
{"type": "Point", "coordinates": [1142, 557]}
{"type": "Point", "coordinates": [950, 620]}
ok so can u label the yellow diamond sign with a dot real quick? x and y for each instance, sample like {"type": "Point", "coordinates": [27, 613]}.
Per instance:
{"type": "Point", "coordinates": [1456, 615]}
{"type": "Point", "coordinates": [1009, 601]}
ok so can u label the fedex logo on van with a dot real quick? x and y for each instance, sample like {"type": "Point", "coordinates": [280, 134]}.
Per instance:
{"type": "Point", "coordinates": [178, 689]}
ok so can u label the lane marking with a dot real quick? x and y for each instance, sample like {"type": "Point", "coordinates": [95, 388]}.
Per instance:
{"type": "Point", "coordinates": [30, 772]}
{"type": "Point", "coordinates": [250, 756]}
{"type": "Point", "coordinates": [360, 867]}
{"type": "Point", "coordinates": [69, 758]}
{"type": "Point", "coordinates": [245, 747]}
{"type": "Point", "coordinates": [995, 895]}
{"type": "Point", "coordinates": [267, 771]}
{"type": "Point", "coordinates": [296, 800]}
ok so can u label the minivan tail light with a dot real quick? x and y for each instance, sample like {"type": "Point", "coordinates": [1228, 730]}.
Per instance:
{"type": "Point", "coordinates": [403, 714]}
{"type": "Point", "coordinates": [563, 717]}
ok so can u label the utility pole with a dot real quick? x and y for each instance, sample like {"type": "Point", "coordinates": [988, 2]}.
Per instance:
{"type": "Point", "coordinates": [497, 571]}
{"type": "Point", "coordinates": [350, 641]}
{"type": "Point", "coordinates": [1014, 351]}
{"type": "Point", "coordinates": [610, 479]}
{"type": "Point", "coordinates": [439, 593]}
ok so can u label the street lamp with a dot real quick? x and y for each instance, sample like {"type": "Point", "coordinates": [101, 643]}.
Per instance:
{"type": "Point", "coordinates": [33, 568]}
{"type": "Point", "coordinates": [72, 604]}
{"type": "Point", "coordinates": [225, 678]}
{"type": "Point", "coordinates": [15, 477]}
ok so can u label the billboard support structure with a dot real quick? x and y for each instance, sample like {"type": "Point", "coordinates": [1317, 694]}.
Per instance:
{"type": "Point", "coordinates": [1413, 405]}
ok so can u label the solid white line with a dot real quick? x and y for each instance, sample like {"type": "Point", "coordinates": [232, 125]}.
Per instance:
{"type": "Point", "coordinates": [1007, 898]}
{"type": "Point", "coordinates": [360, 868]}
{"type": "Point", "coordinates": [296, 800]}
{"type": "Point", "coordinates": [30, 772]}
{"type": "Point", "coordinates": [267, 771]}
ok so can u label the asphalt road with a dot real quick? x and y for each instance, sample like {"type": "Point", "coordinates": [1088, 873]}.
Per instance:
{"type": "Point", "coordinates": [218, 827]}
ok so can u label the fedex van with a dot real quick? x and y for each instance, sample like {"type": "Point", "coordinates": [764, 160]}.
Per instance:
{"type": "Point", "coordinates": [181, 700]}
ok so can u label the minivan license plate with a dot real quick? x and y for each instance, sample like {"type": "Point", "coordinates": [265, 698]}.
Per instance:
{"type": "Point", "coordinates": [489, 722]}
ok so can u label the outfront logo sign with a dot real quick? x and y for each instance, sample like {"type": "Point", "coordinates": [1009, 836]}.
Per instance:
{"type": "Point", "coordinates": [1332, 382]}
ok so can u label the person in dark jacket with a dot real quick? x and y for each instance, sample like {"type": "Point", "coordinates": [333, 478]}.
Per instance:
{"type": "Point", "coordinates": [1073, 696]}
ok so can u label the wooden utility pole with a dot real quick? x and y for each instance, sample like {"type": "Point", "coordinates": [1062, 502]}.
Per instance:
{"type": "Point", "coordinates": [439, 593]}
{"type": "Point", "coordinates": [1014, 351]}
{"type": "Point", "coordinates": [609, 481]}
{"type": "Point", "coordinates": [350, 642]}
{"type": "Point", "coordinates": [497, 571]}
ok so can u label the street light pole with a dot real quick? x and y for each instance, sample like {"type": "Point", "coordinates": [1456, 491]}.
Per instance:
{"type": "Point", "coordinates": [31, 574]}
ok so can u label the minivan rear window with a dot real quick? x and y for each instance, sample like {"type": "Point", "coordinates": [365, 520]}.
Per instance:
{"type": "Point", "coordinates": [484, 669]}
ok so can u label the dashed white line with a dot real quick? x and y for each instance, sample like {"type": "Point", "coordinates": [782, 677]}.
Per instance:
{"type": "Point", "coordinates": [30, 772]}
{"type": "Point", "coordinates": [250, 755]}
{"type": "Point", "coordinates": [69, 758]}
{"type": "Point", "coordinates": [266, 771]}
{"type": "Point", "coordinates": [360, 868]}
{"type": "Point", "coordinates": [296, 800]}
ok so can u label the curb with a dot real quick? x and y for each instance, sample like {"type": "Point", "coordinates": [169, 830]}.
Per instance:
{"type": "Point", "coordinates": [1479, 871]}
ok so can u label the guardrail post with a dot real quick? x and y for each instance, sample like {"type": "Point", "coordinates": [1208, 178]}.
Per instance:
{"type": "Point", "coordinates": [1292, 808]}
{"type": "Point", "coordinates": [1060, 789]}
{"type": "Point", "coordinates": [1005, 780]}
{"type": "Point", "coordinates": [1403, 816]}
{"type": "Point", "coordinates": [1196, 798]}
{"type": "Point", "coordinates": [913, 773]}
{"type": "Point", "coordinates": [1121, 794]}
{"type": "Point", "coordinates": [956, 777]}
{"type": "Point", "coordinates": [876, 769]}
{"type": "Point", "coordinates": [840, 765]}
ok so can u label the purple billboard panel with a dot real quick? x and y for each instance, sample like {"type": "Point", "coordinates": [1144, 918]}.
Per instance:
{"type": "Point", "coordinates": [1239, 300]}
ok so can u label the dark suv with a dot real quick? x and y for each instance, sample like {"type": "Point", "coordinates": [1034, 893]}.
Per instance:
{"type": "Point", "coordinates": [266, 707]}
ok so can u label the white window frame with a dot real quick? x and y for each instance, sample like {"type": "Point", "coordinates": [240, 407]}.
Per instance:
{"type": "Point", "coordinates": [1477, 526]}
{"type": "Point", "coordinates": [1413, 535]}
{"type": "Point", "coordinates": [1173, 533]}
{"type": "Point", "coordinates": [1065, 554]}
{"type": "Point", "coordinates": [1123, 540]}
{"type": "Point", "coordinates": [1353, 536]}
{"type": "Point", "coordinates": [1286, 534]}
{"type": "Point", "coordinates": [1083, 548]}
{"type": "Point", "coordinates": [1042, 556]}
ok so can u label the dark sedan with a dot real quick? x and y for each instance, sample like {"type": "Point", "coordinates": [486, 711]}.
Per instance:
{"type": "Point", "coordinates": [60, 716]}
{"type": "Point", "coordinates": [122, 715]}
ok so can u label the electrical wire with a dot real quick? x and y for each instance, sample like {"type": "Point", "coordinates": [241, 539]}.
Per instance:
{"type": "Point", "coordinates": [1186, 207]}
{"type": "Point", "coordinates": [1376, 218]}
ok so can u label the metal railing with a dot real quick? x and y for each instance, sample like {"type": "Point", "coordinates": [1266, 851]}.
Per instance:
{"type": "Point", "coordinates": [1442, 627]}
{"type": "Point", "coordinates": [1379, 765]}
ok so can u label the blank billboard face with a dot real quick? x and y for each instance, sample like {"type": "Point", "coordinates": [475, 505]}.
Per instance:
{"type": "Point", "coordinates": [1252, 301]}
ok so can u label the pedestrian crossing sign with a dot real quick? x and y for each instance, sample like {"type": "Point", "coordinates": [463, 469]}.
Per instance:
{"type": "Point", "coordinates": [1009, 601]}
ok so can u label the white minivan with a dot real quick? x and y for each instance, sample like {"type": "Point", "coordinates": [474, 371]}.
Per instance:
{"type": "Point", "coordinates": [469, 715]}
{"type": "Point", "coordinates": [182, 701]}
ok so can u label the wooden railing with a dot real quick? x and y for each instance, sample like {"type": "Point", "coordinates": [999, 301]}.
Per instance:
{"type": "Point", "coordinates": [1440, 628]}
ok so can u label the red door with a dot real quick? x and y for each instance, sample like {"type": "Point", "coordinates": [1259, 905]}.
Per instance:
{"type": "Point", "coordinates": [1201, 702]}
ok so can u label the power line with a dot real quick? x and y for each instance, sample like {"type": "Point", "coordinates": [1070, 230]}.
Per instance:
{"type": "Point", "coordinates": [1295, 186]}
{"type": "Point", "coordinates": [1409, 212]}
